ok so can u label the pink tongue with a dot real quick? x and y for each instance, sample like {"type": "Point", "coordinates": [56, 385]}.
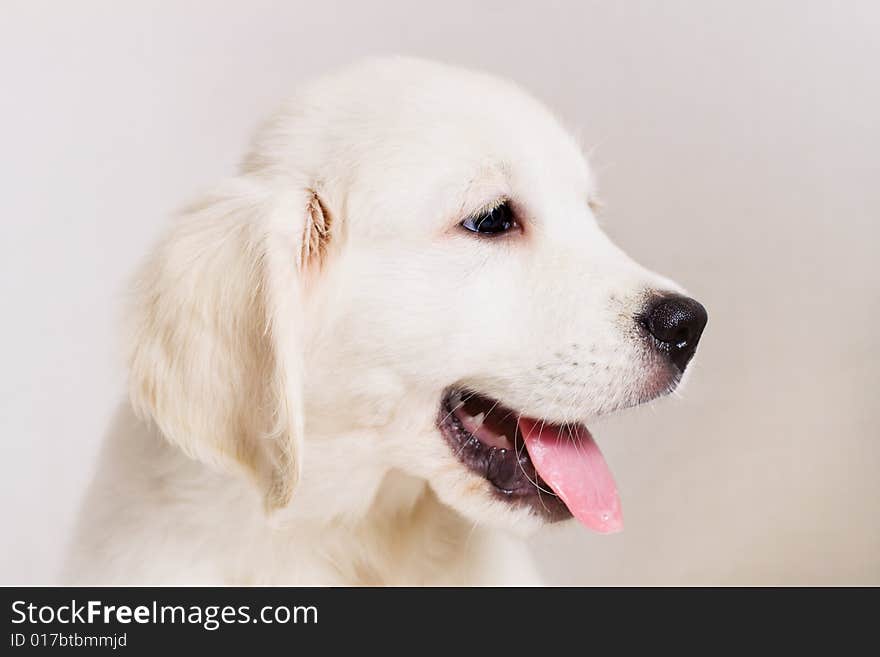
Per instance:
{"type": "Point", "coordinates": [569, 460]}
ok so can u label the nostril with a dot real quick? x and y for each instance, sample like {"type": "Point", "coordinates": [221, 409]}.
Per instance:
{"type": "Point", "coordinates": [676, 323]}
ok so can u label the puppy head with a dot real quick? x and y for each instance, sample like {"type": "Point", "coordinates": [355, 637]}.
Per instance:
{"type": "Point", "coordinates": [407, 274]}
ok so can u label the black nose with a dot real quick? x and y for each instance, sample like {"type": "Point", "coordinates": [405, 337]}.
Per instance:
{"type": "Point", "coordinates": [677, 323]}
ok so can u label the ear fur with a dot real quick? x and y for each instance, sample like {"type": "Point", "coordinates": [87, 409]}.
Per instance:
{"type": "Point", "coordinates": [215, 350]}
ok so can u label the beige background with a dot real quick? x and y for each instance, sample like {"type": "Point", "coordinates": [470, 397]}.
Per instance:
{"type": "Point", "coordinates": [737, 145]}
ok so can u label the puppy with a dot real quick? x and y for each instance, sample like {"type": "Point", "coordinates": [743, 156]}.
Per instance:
{"type": "Point", "coordinates": [371, 356]}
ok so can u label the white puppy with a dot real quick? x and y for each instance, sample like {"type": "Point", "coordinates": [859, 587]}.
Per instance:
{"type": "Point", "coordinates": [369, 357]}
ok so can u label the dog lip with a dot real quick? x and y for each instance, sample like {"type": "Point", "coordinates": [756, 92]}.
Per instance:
{"type": "Point", "coordinates": [509, 470]}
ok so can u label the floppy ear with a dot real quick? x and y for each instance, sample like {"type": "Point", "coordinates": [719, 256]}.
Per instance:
{"type": "Point", "coordinates": [215, 354]}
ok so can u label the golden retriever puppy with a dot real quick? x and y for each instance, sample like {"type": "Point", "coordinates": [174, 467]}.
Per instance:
{"type": "Point", "coordinates": [371, 356]}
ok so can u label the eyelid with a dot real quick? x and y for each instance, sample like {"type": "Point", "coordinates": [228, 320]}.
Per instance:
{"type": "Point", "coordinates": [486, 208]}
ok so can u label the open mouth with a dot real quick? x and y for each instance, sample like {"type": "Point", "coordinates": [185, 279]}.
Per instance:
{"type": "Point", "coordinates": [555, 469]}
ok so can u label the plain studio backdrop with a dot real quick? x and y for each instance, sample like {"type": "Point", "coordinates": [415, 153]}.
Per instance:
{"type": "Point", "coordinates": [738, 150]}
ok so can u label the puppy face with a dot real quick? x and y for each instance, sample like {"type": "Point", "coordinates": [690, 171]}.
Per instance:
{"type": "Point", "coordinates": [474, 289]}
{"type": "Point", "coordinates": [459, 315]}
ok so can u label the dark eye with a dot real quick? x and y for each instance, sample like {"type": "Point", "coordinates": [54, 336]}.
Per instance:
{"type": "Point", "coordinates": [496, 221]}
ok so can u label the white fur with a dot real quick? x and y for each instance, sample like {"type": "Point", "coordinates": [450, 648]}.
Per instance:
{"type": "Point", "coordinates": [292, 336]}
